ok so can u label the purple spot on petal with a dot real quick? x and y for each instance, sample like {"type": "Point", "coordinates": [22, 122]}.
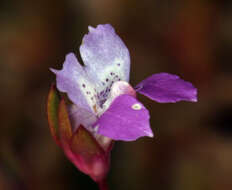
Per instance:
{"type": "Point", "coordinates": [138, 87]}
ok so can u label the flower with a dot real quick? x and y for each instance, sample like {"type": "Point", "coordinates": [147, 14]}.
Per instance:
{"type": "Point", "coordinates": [104, 105]}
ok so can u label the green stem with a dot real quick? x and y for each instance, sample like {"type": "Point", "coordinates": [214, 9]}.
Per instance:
{"type": "Point", "coordinates": [103, 185]}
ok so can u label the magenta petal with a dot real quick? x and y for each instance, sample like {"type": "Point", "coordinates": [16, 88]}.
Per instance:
{"type": "Point", "coordinates": [167, 88]}
{"type": "Point", "coordinates": [126, 119]}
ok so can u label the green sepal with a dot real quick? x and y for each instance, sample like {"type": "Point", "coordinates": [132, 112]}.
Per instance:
{"type": "Point", "coordinates": [52, 112]}
{"type": "Point", "coordinates": [65, 128]}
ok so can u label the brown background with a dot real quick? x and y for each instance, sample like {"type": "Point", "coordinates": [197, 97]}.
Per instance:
{"type": "Point", "coordinates": [192, 148]}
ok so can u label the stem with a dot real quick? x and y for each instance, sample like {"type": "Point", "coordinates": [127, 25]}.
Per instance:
{"type": "Point", "coordinates": [103, 185]}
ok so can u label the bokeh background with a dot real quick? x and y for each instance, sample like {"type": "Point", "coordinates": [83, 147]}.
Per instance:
{"type": "Point", "coordinates": [192, 148]}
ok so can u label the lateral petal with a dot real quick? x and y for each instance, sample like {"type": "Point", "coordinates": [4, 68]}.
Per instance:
{"type": "Point", "coordinates": [73, 80]}
{"type": "Point", "coordinates": [167, 88]}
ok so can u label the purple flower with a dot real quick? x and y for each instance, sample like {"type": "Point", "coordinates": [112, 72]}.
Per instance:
{"type": "Point", "coordinates": [104, 105]}
{"type": "Point", "coordinates": [103, 100]}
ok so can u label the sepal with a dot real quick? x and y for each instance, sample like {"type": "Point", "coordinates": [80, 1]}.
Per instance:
{"type": "Point", "coordinates": [65, 128]}
{"type": "Point", "coordinates": [93, 160]}
{"type": "Point", "coordinates": [89, 152]}
{"type": "Point", "coordinates": [52, 112]}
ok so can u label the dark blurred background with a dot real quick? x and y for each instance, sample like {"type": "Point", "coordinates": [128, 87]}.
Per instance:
{"type": "Point", "coordinates": [192, 148]}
